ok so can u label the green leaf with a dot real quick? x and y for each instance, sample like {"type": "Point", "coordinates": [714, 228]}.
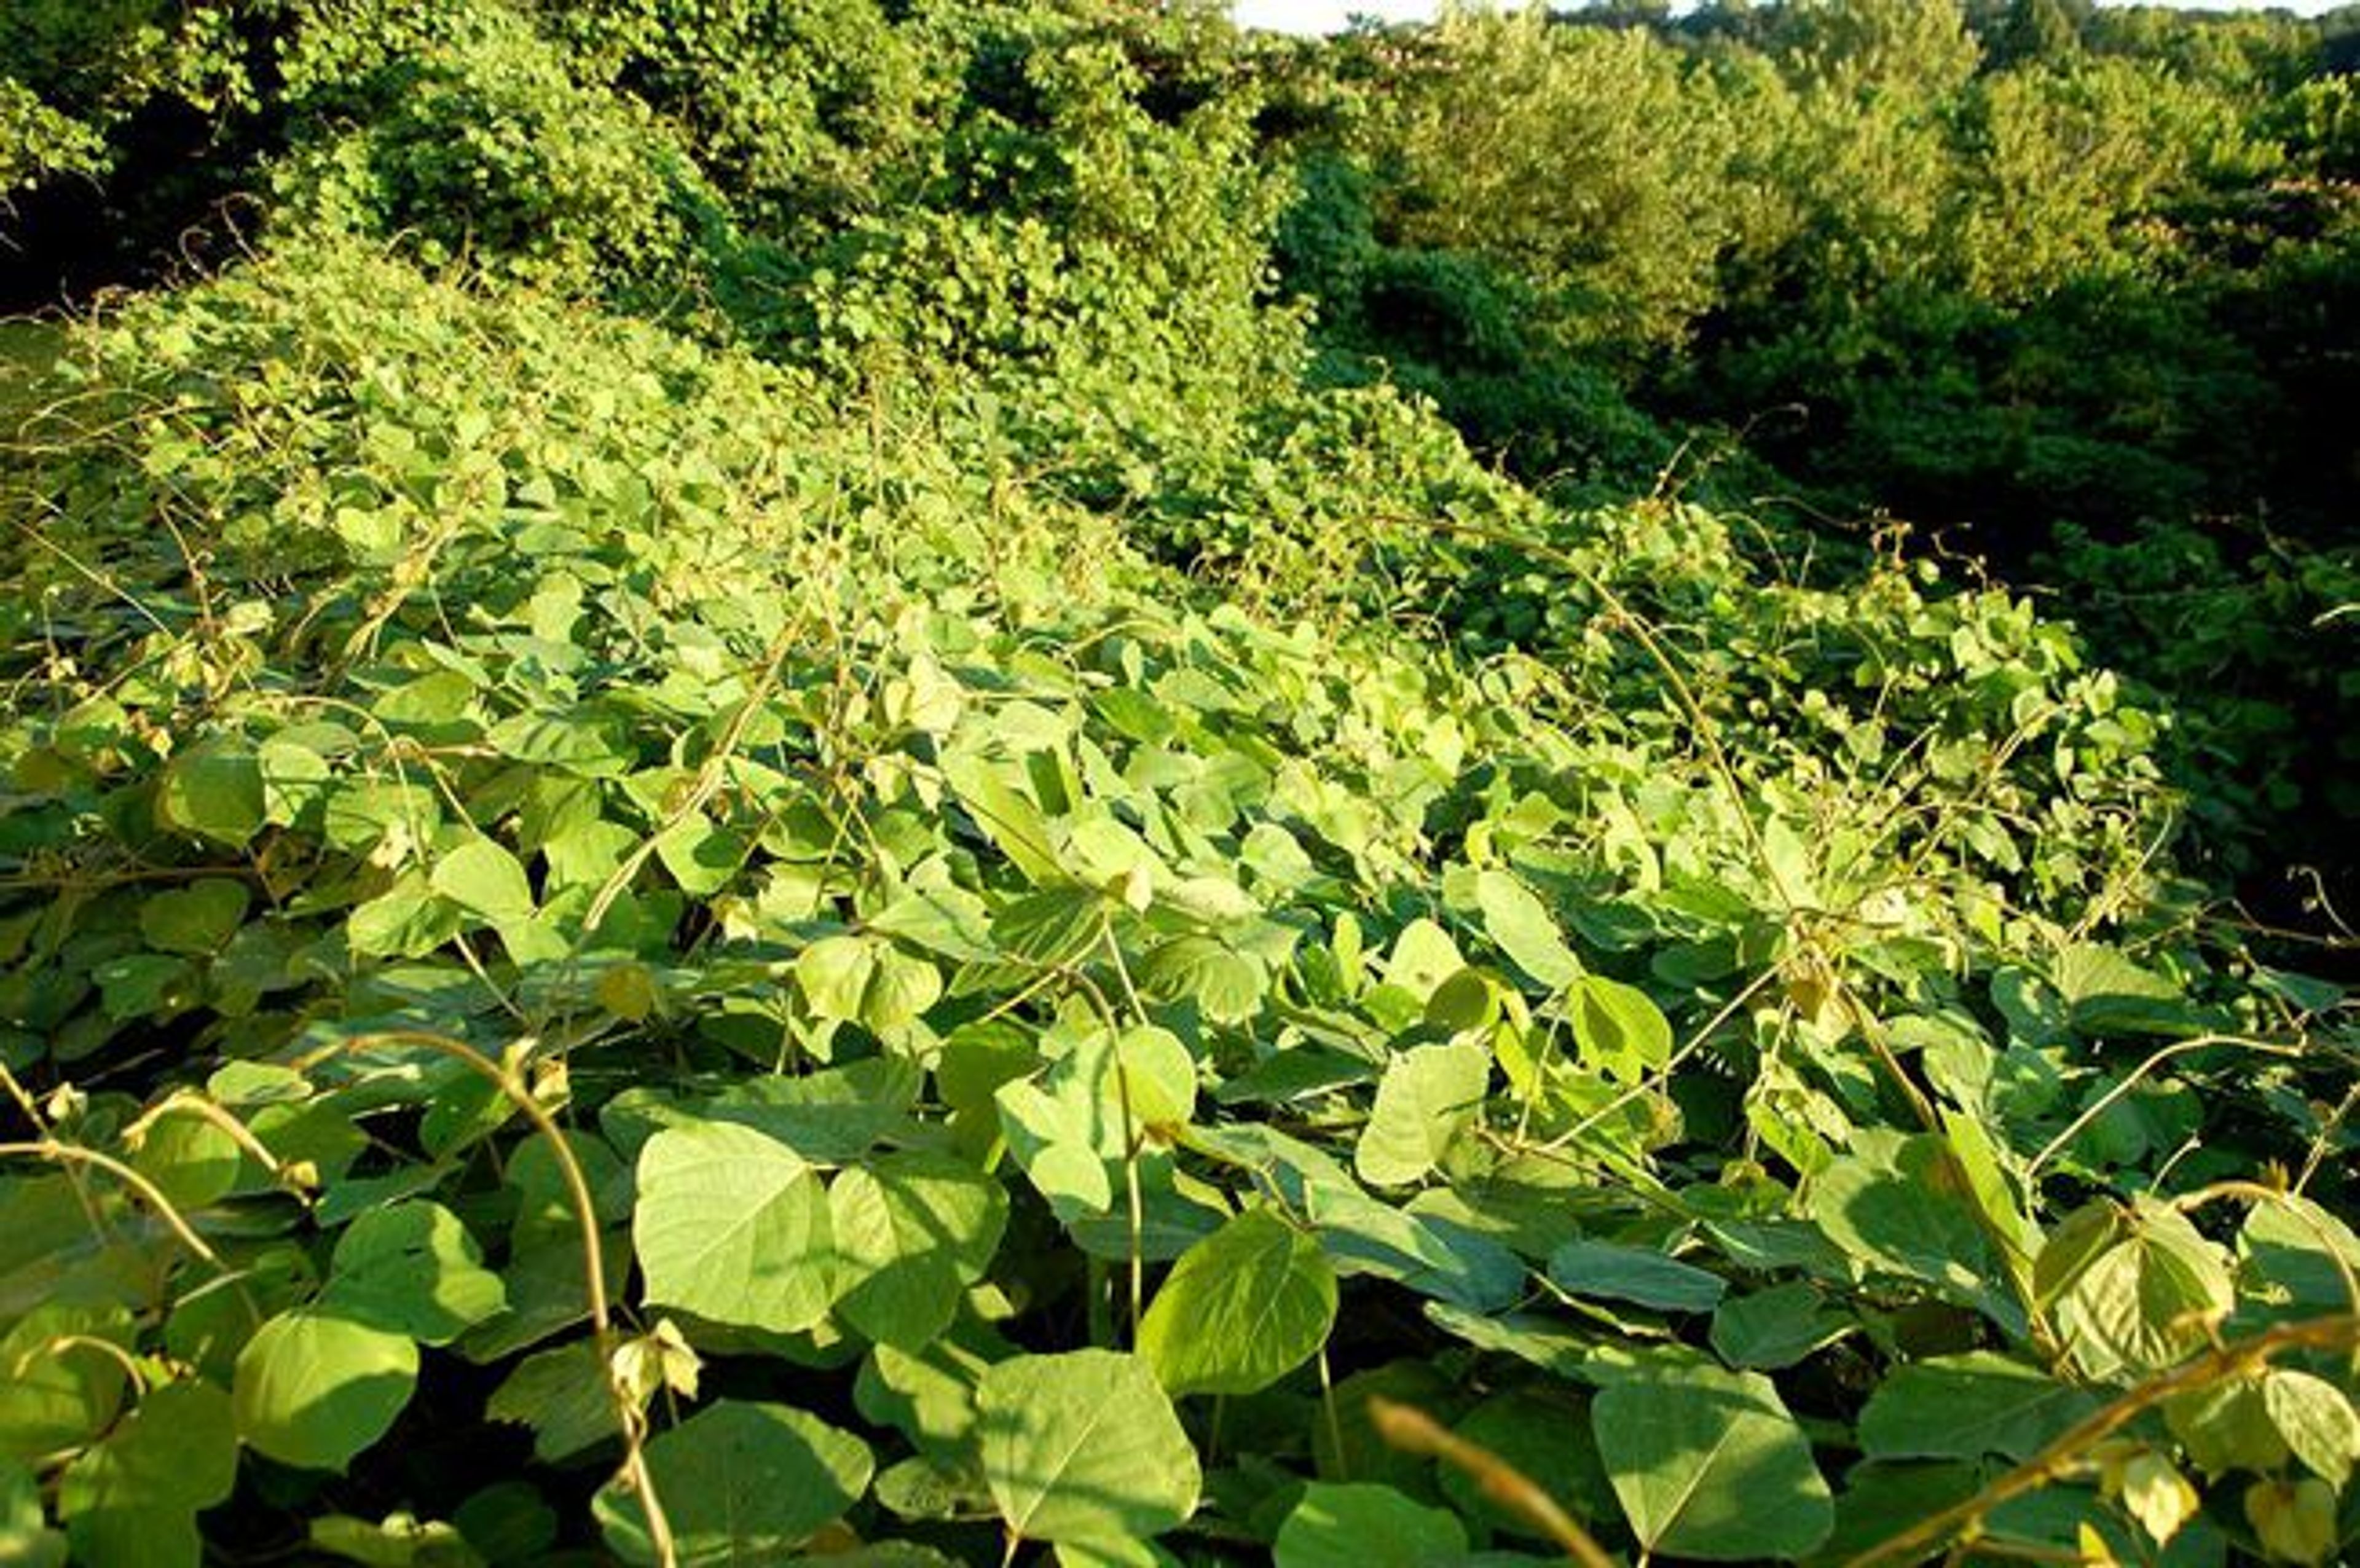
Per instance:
{"type": "Point", "coordinates": [912, 1232]}
{"type": "Point", "coordinates": [702, 857]}
{"type": "Point", "coordinates": [483, 878]}
{"type": "Point", "coordinates": [1422, 957]}
{"type": "Point", "coordinates": [313, 1390]}
{"type": "Point", "coordinates": [1912, 1217]}
{"type": "Point", "coordinates": [1365, 1526]}
{"type": "Point", "coordinates": [1964, 1407]}
{"type": "Point", "coordinates": [1777, 1327]}
{"type": "Point", "coordinates": [2148, 1302]}
{"type": "Point", "coordinates": [561, 1395]}
{"type": "Point", "coordinates": [1519, 925]}
{"type": "Point", "coordinates": [407, 919]}
{"type": "Point", "coordinates": [191, 1160]}
{"type": "Point", "coordinates": [1708, 1464]}
{"type": "Point", "coordinates": [833, 974]}
{"type": "Point", "coordinates": [733, 1227]}
{"type": "Point", "coordinates": [1620, 1029]}
{"type": "Point", "coordinates": [899, 990]}
{"type": "Point", "coordinates": [580, 742]}
{"type": "Point", "coordinates": [1226, 986]}
{"type": "Point", "coordinates": [2106, 994]}
{"type": "Point", "coordinates": [1084, 1447]}
{"type": "Point", "coordinates": [197, 919]}
{"type": "Point", "coordinates": [1158, 1077]}
{"type": "Point", "coordinates": [2295, 1519]}
{"type": "Point", "coordinates": [58, 1395]}
{"type": "Point", "coordinates": [1429, 1096]}
{"type": "Point", "coordinates": [26, 1539]}
{"type": "Point", "coordinates": [743, 1484]}
{"type": "Point", "coordinates": [2316, 1421]}
{"type": "Point", "coordinates": [1240, 1310]}
{"type": "Point", "coordinates": [412, 1269]}
{"type": "Point", "coordinates": [214, 790]}
{"type": "Point", "coordinates": [1633, 1274]}
{"type": "Point", "coordinates": [133, 1497]}
{"type": "Point", "coordinates": [1052, 929]}
{"type": "Point", "coordinates": [1008, 818]}
{"type": "Point", "coordinates": [2291, 1246]}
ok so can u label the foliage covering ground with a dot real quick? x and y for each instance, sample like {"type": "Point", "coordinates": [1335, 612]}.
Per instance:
{"type": "Point", "coordinates": [940, 784]}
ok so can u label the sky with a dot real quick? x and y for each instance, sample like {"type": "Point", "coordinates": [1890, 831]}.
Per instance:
{"type": "Point", "coordinates": [1326, 15]}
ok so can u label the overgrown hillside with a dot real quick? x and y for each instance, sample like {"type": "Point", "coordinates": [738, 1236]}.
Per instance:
{"type": "Point", "coordinates": [999, 781]}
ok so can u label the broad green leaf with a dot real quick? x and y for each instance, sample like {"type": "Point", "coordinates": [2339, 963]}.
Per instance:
{"type": "Point", "coordinates": [482, 877]}
{"type": "Point", "coordinates": [313, 1390]}
{"type": "Point", "coordinates": [1362, 1526]}
{"type": "Point", "coordinates": [294, 779]}
{"type": "Point", "coordinates": [1240, 1310]}
{"type": "Point", "coordinates": [577, 741]}
{"type": "Point", "coordinates": [1008, 818]}
{"type": "Point", "coordinates": [561, 1395]}
{"type": "Point", "coordinates": [1422, 957]}
{"type": "Point", "coordinates": [1633, 1274]}
{"type": "Point", "coordinates": [733, 1227]}
{"type": "Point", "coordinates": [927, 1396]}
{"type": "Point", "coordinates": [949, 921]}
{"type": "Point", "coordinates": [26, 1541]}
{"type": "Point", "coordinates": [1429, 1096]}
{"type": "Point", "coordinates": [833, 974]}
{"type": "Point", "coordinates": [1708, 1464]}
{"type": "Point", "coordinates": [2297, 1250]}
{"type": "Point", "coordinates": [412, 1269]}
{"type": "Point", "coordinates": [1619, 1028]}
{"type": "Point", "coordinates": [1468, 1001]}
{"type": "Point", "coordinates": [1518, 923]}
{"type": "Point", "coordinates": [912, 1232]}
{"type": "Point", "coordinates": [2294, 1518]}
{"type": "Point", "coordinates": [2315, 1418]}
{"type": "Point", "coordinates": [197, 919]}
{"type": "Point", "coordinates": [901, 988]}
{"type": "Point", "coordinates": [2226, 1426]}
{"type": "Point", "coordinates": [1050, 929]}
{"type": "Point", "coordinates": [1964, 1407]}
{"type": "Point", "coordinates": [1085, 1447]}
{"type": "Point", "coordinates": [702, 857]}
{"type": "Point", "coordinates": [191, 1160]}
{"type": "Point", "coordinates": [1912, 1217]}
{"type": "Point", "coordinates": [408, 919]}
{"type": "Point", "coordinates": [2148, 1302]}
{"type": "Point", "coordinates": [57, 1394]}
{"type": "Point", "coordinates": [743, 1484]}
{"type": "Point", "coordinates": [214, 790]}
{"type": "Point", "coordinates": [2109, 995]}
{"type": "Point", "coordinates": [1228, 987]}
{"type": "Point", "coordinates": [133, 1499]}
{"type": "Point", "coordinates": [1157, 1077]}
{"type": "Point", "coordinates": [1778, 1327]}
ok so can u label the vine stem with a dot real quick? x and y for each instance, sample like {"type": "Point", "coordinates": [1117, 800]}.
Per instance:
{"type": "Point", "coordinates": [60, 1153]}
{"type": "Point", "coordinates": [632, 1419]}
{"type": "Point", "coordinates": [2060, 1457]}
{"type": "Point", "coordinates": [1413, 1431]}
{"type": "Point", "coordinates": [2132, 1079]}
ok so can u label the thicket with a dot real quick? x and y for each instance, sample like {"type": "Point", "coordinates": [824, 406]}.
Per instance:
{"type": "Point", "coordinates": [1006, 780]}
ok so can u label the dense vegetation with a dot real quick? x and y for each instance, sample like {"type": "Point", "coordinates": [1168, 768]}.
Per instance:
{"type": "Point", "coordinates": [1008, 781]}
